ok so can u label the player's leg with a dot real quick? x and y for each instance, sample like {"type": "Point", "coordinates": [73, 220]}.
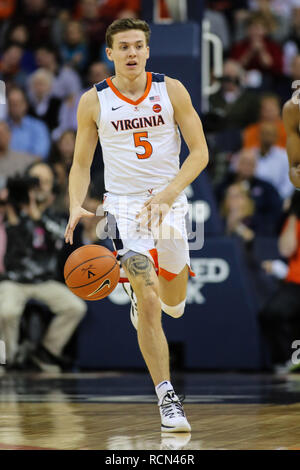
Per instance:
{"type": "Point", "coordinates": [172, 293]}
{"type": "Point", "coordinates": [152, 341]}
{"type": "Point", "coordinates": [151, 338]}
{"type": "Point", "coordinates": [174, 260]}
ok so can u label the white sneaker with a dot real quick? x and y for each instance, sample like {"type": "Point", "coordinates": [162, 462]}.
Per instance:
{"type": "Point", "coordinates": [172, 414]}
{"type": "Point", "coordinates": [133, 309]}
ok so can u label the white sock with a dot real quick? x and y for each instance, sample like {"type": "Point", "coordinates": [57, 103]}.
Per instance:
{"type": "Point", "coordinates": [162, 388]}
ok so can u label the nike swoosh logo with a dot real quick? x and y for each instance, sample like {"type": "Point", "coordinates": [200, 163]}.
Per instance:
{"type": "Point", "coordinates": [104, 283]}
{"type": "Point", "coordinates": [162, 384]}
{"type": "Point", "coordinates": [114, 109]}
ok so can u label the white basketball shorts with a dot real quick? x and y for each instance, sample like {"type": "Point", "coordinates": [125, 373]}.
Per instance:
{"type": "Point", "coordinates": [165, 245]}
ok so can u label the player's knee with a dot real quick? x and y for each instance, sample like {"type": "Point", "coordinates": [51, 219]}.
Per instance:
{"type": "Point", "coordinates": [174, 311]}
{"type": "Point", "coordinates": [149, 306]}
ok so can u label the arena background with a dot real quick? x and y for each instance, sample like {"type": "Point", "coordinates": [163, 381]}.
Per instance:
{"type": "Point", "coordinates": [220, 329]}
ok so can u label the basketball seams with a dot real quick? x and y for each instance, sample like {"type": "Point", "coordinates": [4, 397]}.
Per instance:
{"type": "Point", "coordinates": [86, 261]}
{"type": "Point", "coordinates": [95, 280]}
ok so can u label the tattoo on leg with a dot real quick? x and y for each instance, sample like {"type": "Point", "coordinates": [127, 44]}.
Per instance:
{"type": "Point", "coordinates": [139, 265]}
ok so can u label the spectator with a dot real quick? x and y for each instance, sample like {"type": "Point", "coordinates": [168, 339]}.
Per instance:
{"type": "Point", "coordinates": [42, 104]}
{"type": "Point", "coordinates": [97, 72]}
{"type": "Point", "coordinates": [61, 158]}
{"type": "Point", "coordinates": [237, 210]}
{"type": "Point", "coordinates": [94, 26]}
{"type": "Point", "coordinates": [38, 17]}
{"type": "Point", "coordinates": [269, 113]}
{"type": "Point", "coordinates": [66, 81]}
{"type": "Point", "coordinates": [19, 35]}
{"type": "Point", "coordinates": [257, 51]}
{"type": "Point", "coordinates": [233, 106]}
{"type": "Point", "coordinates": [28, 133]}
{"type": "Point", "coordinates": [67, 118]}
{"type": "Point", "coordinates": [11, 71]}
{"type": "Point", "coordinates": [267, 202]}
{"type": "Point", "coordinates": [276, 23]}
{"type": "Point", "coordinates": [11, 162]}
{"type": "Point", "coordinates": [279, 319]}
{"type": "Point", "coordinates": [74, 51]}
{"type": "Point", "coordinates": [272, 164]}
{"type": "Point", "coordinates": [34, 237]}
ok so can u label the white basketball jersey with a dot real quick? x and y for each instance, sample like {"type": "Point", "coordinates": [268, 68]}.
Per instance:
{"type": "Point", "coordinates": [140, 139]}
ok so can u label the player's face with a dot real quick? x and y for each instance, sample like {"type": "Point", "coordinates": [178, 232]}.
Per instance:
{"type": "Point", "coordinates": [129, 52]}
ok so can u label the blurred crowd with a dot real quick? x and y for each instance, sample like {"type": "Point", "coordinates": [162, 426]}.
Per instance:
{"type": "Point", "coordinates": [248, 158]}
{"type": "Point", "coordinates": [51, 53]}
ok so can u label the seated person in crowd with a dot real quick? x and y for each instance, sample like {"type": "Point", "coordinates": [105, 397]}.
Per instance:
{"type": "Point", "coordinates": [11, 162]}
{"type": "Point", "coordinates": [272, 164]}
{"type": "Point", "coordinates": [269, 112]}
{"type": "Point", "coordinates": [61, 158]}
{"type": "Point", "coordinates": [28, 134]}
{"type": "Point", "coordinates": [66, 80]}
{"type": "Point", "coordinates": [35, 236]}
{"type": "Point", "coordinates": [42, 104]}
{"type": "Point", "coordinates": [257, 51]}
{"type": "Point", "coordinates": [97, 72]}
{"type": "Point", "coordinates": [276, 18]}
{"type": "Point", "coordinates": [280, 317]}
{"type": "Point", "coordinates": [19, 34]}
{"type": "Point", "coordinates": [38, 16]}
{"type": "Point", "coordinates": [237, 210]}
{"type": "Point", "coordinates": [268, 204]}
{"type": "Point", "coordinates": [12, 71]}
{"type": "Point", "coordinates": [73, 50]}
{"type": "Point", "coordinates": [233, 106]}
{"type": "Point", "coordinates": [94, 25]}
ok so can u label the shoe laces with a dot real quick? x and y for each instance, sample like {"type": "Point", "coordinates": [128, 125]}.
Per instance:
{"type": "Point", "coordinates": [171, 404]}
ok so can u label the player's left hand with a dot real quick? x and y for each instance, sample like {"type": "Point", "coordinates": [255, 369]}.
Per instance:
{"type": "Point", "coordinates": [156, 208]}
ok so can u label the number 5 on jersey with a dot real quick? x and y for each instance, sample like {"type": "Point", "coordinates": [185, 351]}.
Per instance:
{"type": "Point", "coordinates": [138, 142]}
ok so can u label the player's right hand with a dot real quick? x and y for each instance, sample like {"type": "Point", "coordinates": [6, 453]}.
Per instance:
{"type": "Point", "coordinates": [75, 216]}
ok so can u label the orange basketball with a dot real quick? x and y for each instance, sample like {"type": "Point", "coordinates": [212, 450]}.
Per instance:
{"type": "Point", "coordinates": [91, 272]}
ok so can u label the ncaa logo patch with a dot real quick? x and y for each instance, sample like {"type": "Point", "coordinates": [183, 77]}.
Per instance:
{"type": "Point", "coordinates": [156, 108]}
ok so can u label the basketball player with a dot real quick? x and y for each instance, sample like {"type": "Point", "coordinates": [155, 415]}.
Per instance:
{"type": "Point", "coordinates": [291, 119]}
{"type": "Point", "coordinates": [135, 114]}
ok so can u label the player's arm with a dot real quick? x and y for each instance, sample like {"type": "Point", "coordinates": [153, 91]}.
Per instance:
{"type": "Point", "coordinates": [79, 178]}
{"type": "Point", "coordinates": [192, 132]}
{"type": "Point", "coordinates": [191, 129]}
{"type": "Point", "coordinates": [291, 123]}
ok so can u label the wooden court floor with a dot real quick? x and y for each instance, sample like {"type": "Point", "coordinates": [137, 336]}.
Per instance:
{"type": "Point", "coordinates": [118, 411]}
